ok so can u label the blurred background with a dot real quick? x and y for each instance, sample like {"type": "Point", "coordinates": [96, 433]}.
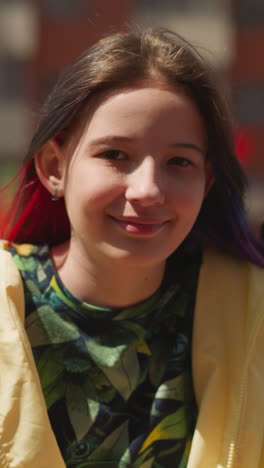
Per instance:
{"type": "Point", "coordinates": [39, 37]}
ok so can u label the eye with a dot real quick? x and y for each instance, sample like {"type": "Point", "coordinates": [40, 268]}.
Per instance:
{"type": "Point", "coordinates": [180, 161]}
{"type": "Point", "coordinates": [114, 155]}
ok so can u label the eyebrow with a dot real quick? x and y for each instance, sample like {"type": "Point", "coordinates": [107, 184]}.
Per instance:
{"type": "Point", "coordinates": [119, 139]}
{"type": "Point", "coordinates": [182, 144]}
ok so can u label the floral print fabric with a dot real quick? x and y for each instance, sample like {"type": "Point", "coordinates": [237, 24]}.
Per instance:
{"type": "Point", "coordinates": [117, 382]}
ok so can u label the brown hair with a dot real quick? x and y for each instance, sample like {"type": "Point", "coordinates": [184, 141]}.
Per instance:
{"type": "Point", "coordinates": [124, 59]}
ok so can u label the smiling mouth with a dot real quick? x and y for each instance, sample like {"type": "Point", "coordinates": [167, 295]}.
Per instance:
{"type": "Point", "coordinates": [140, 226]}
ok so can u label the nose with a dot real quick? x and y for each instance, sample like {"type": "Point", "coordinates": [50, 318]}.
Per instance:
{"type": "Point", "coordinates": [145, 184]}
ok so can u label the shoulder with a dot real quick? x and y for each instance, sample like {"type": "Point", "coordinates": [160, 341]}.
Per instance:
{"type": "Point", "coordinates": [230, 300]}
{"type": "Point", "coordinates": [222, 274]}
{"type": "Point", "coordinates": [8, 271]}
{"type": "Point", "coordinates": [14, 260]}
{"type": "Point", "coordinates": [25, 256]}
{"type": "Point", "coordinates": [11, 288]}
{"type": "Point", "coordinates": [227, 352]}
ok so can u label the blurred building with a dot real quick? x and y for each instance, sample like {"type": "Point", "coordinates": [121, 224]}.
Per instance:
{"type": "Point", "coordinates": [247, 80]}
{"type": "Point", "coordinates": [65, 28]}
{"type": "Point", "coordinates": [247, 85]}
{"type": "Point", "coordinates": [38, 37]}
{"type": "Point", "coordinates": [205, 23]}
{"type": "Point", "coordinates": [18, 32]}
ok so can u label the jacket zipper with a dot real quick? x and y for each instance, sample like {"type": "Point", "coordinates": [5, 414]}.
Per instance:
{"type": "Point", "coordinates": [233, 446]}
{"type": "Point", "coordinates": [232, 450]}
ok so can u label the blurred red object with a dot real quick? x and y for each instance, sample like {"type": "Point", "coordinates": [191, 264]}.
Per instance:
{"type": "Point", "coordinates": [244, 147]}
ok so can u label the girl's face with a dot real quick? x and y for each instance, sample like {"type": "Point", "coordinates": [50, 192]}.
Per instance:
{"type": "Point", "coordinates": [136, 180]}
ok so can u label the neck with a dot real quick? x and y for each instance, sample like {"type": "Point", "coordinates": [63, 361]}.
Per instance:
{"type": "Point", "coordinates": [106, 284]}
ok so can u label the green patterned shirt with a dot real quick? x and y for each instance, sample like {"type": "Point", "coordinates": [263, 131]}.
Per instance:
{"type": "Point", "coordinates": [117, 382]}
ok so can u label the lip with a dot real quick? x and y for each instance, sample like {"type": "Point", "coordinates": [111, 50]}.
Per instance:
{"type": "Point", "coordinates": [137, 225]}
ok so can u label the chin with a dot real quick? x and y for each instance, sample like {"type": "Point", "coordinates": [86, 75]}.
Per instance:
{"type": "Point", "coordinates": [140, 258]}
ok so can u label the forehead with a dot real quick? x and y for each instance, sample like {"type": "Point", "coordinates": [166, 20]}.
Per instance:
{"type": "Point", "coordinates": [132, 95]}
{"type": "Point", "coordinates": [141, 106]}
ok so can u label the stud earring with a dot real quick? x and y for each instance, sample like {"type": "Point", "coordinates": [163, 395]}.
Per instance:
{"type": "Point", "coordinates": [54, 195]}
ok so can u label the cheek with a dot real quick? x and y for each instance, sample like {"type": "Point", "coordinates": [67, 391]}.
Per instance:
{"type": "Point", "coordinates": [92, 192]}
{"type": "Point", "coordinates": [188, 195]}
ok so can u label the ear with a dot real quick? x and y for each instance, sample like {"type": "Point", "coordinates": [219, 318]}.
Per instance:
{"type": "Point", "coordinates": [49, 163]}
{"type": "Point", "coordinates": [209, 178]}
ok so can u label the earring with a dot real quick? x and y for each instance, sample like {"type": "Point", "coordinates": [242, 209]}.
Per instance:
{"type": "Point", "coordinates": [54, 195]}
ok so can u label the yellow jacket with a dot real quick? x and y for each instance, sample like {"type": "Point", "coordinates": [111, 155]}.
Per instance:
{"type": "Point", "coordinates": [228, 372]}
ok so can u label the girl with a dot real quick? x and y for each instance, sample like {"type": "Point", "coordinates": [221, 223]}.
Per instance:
{"type": "Point", "coordinates": [143, 310]}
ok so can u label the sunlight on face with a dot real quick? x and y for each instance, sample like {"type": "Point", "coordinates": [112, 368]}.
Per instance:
{"type": "Point", "coordinates": [138, 176]}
